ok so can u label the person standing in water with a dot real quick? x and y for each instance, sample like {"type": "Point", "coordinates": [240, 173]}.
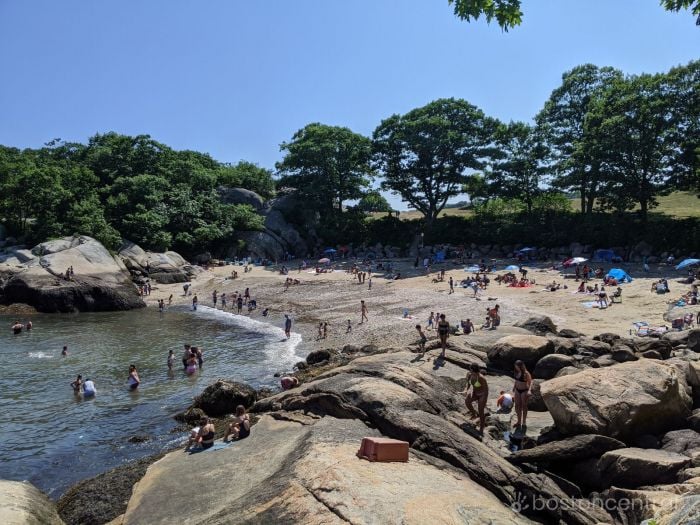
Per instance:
{"type": "Point", "coordinates": [89, 389]}
{"type": "Point", "coordinates": [64, 352]}
{"type": "Point", "coordinates": [287, 326]}
{"type": "Point", "coordinates": [77, 384]}
{"type": "Point", "coordinates": [133, 380]}
{"type": "Point", "coordinates": [239, 303]}
{"type": "Point", "coordinates": [363, 312]}
{"type": "Point", "coordinates": [194, 302]}
{"type": "Point", "coordinates": [28, 326]}
{"type": "Point", "coordinates": [17, 327]}
{"type": "Point", "coordinates": [171, 358]}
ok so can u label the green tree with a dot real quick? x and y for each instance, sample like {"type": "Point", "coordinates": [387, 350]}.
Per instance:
{"type": "Point", "coordinates": [517, 170]}
{"type": "Point", "coordinates": [425, 154]}
{"type": "Point", "coordinates": [327, 165]}
{"type": "Point", "coordinates": [507, 13]}
{"type": "Point", "coordinates": [373, 201]}
{"type": "Point", "coordinates": [561, 124]}
{"type": "Point", "coordinates": [249, 176]}
{"type": "Point", "coordinates": [633, 126]}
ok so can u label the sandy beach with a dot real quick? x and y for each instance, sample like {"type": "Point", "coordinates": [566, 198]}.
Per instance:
{"type": "Point", "coordinates": [335, 298]}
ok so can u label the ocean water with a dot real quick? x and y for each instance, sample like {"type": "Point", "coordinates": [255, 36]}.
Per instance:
{"type": "Point", "coordinates": [53, 438]}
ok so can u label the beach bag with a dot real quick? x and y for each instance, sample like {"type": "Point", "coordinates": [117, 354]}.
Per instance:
{"type": "Point", "coordinates": [383, 449]}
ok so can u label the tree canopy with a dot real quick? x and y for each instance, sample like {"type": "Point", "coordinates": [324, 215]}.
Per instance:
{"type": "Point", "coordinates": [424, 155]}
{"type": "Point", "coordinates": [508, 13]}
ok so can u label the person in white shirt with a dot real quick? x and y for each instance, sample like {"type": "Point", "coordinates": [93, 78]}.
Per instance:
{"type": "Point", "coordinates": [89, 388]}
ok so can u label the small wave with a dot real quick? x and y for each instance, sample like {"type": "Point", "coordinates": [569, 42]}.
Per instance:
{"type": "Point", "coordinates": [280, 350]}
{"type": "Point", "coordinates": [40, 355]}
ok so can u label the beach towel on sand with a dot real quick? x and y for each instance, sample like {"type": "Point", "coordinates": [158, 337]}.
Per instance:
{"type": "Point", "coordinates": [218, 445]}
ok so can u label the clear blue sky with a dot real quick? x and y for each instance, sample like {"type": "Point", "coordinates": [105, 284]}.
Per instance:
{"type": "Point", "coordinates": [235, 78]}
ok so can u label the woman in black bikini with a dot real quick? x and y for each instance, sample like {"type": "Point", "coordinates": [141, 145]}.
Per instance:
{"type": "Point", "coordinates": [443, 328]}
{"type": "Point", "coordinates": [240, 427]}
{"type": "Point", "coordinates": [480, 393]}
{"type": "Point", "coordinates": [521, 392]}
{"type": "Point", "coordinates": [206, 433]}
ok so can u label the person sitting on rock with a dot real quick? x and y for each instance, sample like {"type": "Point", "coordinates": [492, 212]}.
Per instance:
{"type": "Point", "coordinates": [206, 434]}
{"type": "Point", "coordinates": [240, 426]}
{"type": "Point", "coordinates": [504, 403]}
{"type": "Point", "coordinates": [288, 382]}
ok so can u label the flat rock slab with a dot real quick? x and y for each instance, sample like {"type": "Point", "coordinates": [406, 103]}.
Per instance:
{"type": "Point", "coordinates": [289, 473]}
{"type": "Point", "coordinates": [576, 448]}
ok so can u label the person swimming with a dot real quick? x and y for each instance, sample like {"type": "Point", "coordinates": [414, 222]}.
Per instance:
{"type": "Point", "coordinates": [17, 327]}
{"type": "Point", "coordinates": [64, 352]}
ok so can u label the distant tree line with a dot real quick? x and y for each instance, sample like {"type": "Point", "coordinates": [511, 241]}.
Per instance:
{"type": "Point", "coordinates": [615, 141]}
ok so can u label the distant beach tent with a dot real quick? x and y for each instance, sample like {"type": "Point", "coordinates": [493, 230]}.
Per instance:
{"type": "Point", "coordinates": [440, 257]}
{"type": "Point", "coordinates": [688, 262]}
{"type": "Point", "coordinates": [329, 250]}
{"type": "Point", "coordinates": [513, 267]}
{"type": "Point", "coordinates": [525, 250]}
{"type": "Point", "coordinates": [619, 275]}
{"type": "Point", "coordinates": [604, 255]}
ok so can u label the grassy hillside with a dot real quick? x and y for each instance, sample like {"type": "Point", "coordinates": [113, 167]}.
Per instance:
{"type": "Point", "coordinates": [679, 204]}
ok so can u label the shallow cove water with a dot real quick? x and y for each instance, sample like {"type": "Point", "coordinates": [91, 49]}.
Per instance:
{"type": "Point", "coordinates": [53, 438]}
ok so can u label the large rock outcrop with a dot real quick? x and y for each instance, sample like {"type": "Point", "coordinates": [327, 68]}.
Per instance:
{"type": "Point", "coordinates": [279, 236]}
{"type": "Point", "coordinates": [404, 401]}
{"type": "Point", "coordinates": [165, 268]}
{"type": "Point", "coordinates": [527, 348]}
{"type": "Point", "coordinates": [22, 503]}
{"type": "Point", "coordinates": [620, 401]}
{"type": "Point", "coordinates": [222, 397]}
{"type": "Point", "coordinates": [100, 282]}
{"type": "Point", "coordinates": [298, 469]}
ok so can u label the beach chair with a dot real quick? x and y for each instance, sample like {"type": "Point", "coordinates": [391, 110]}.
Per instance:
{"type": "Point", "coordinates": [640, 329]}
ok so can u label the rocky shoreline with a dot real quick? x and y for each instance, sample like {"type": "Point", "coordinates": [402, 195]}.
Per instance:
{"type": "Point", "coordinates": [613, 437]}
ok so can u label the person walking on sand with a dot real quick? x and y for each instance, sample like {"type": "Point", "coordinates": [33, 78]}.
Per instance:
{"type": "Point", "coordinates": [325, 330]}
{"type": "Point", "coordinates": [348, 330]}
{"type": "Point", "coordinates": [369, 286]}
{"type": "Point", "coordinates": [223, 301]}
{"type": "Point", "coordinates": [363, 312]}
{"type": "Point", "coordinates": [521, 392]}
{"type": "Point", "coordinates": [443, 328]}
{"type": "Point", "coordinates": [287, 326]}
{"type": "Point", "coordinates": [239, 303]}
{"type": "Point", "coordinates": [430, 321]}
{"type": "Point", "coordinates": [214, 297]}
{"type": "Point", "coordinates": [452, 285]}
{"type": "Point", "coordinates": [422, 339]}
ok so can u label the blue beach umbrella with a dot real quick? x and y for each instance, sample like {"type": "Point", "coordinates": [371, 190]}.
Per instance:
{"type": "Point", "coordinates": [513, 267]}
{"type": "Point", "coordinates": [687, 262]}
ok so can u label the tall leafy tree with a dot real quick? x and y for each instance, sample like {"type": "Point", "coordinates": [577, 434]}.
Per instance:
{"type": "Point", "coordinates": [561, 124]}
{"type": "Point", "coordinates": [425, 154]}
{"type": "Point", "coordinates": [682, 85]}
{"type": "Point", "coordinates": [634, 128]}
{"type": "Point", "coordinates": [249, 176]}
{"type": "Point", "coordinates": [327, 165]}
{"type": "Point", "coordinates": [517, 170]}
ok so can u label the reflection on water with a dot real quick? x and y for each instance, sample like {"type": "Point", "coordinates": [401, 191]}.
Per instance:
{"type": "Point", "coordinates": [53, 438]}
